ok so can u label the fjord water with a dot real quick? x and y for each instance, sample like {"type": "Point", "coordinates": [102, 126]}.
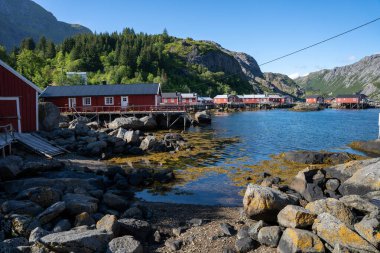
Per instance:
{"type": "Point", "coordinates": [261, 134]}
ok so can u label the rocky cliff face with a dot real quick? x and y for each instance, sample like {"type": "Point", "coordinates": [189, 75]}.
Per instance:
{"type": "Point", "coordinates": [24, 18]}
{"type": "Point", "coordinates": [281, 83]}
{"type": "Point", "coordinates": [360, 77]}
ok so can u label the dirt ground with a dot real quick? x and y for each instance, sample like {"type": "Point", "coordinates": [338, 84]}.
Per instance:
{"type": "Point", "coordinates": [204, 238]}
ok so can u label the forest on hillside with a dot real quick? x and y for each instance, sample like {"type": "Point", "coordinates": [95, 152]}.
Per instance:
{"type": "Point", "coordinates": [121, 58]}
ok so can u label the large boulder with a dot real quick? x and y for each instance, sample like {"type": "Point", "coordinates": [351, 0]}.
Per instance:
{"type": "Point", "coordinates": [79, 203]}
{"type": "Point", "coordinates": [148, 143]}
{"type": "Point", "coordinates": [309, 183]}
{"type": "Point", "coordinates": [137, 228]}
{"type": "Point", "coordinates": [295, 240]}
{"type": "Point", "coordinates": [127, 123]}
{"type": "Point", "coordinates": [95, 148]}
{"type": "Point", "coordinates": [43, 196]}
{"type": "Point", "coordinates": [23, 225]}
{"type": "Point", "coordinates": [21, 207]}
{"type": "Point", "coordinates": [334, 232]}
{"type": "Point", "coordinates": [364, 180]}
{"type": "Point", "coordinates": [269, 236]}
{"type": "Point", "coordinates": [115, 202]}
{"type": "Point", "coordinates": [360, 203]}
{"type": "Point", "coordinates": [295, 217]}
{"type": "Point", "coordinates": [109, 222]}
{"type": "Point", "coordinates": [49, 116]}
{"type": "Point", "coordinates": [37, 233]}
{"type": "Point", "coordinates": [334, 207]}
{"type": "Point", "coordinates": [51, 212]}
{"type": "Point", "coordinates": [86, 241]}
{"type": "Point", "coordinates": [149, 123]}
{"type": "Point", "coordinates": [316, 157]}
{"type": "Point", "coordinates": [369, 229]}
{"type": "Point", "coordinates": [124, 244]}
{"type": "Point", "coordinates": [370, 147]}
{"type": "Point", "coordinates": [131, 137]}
{"type": "Point", "coordinates": [264, 203]}
{"type": "Point", "coordinates": [202, 117]}
{"type": "Point", "coordinates": [10, 167]}
{"type": "Point", "coordinates": [347, 170]}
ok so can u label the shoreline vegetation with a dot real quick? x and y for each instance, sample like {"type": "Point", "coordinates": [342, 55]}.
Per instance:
{"type": "Point", "coordinates": [80, 203]}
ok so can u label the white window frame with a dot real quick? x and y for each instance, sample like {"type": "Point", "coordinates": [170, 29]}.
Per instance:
{"type": "Point", "coordinates": [71, 104]}
{"type": "Point", "coordinates": [109, 103]}
{"type": "Point", "coordinates": [84, 101]}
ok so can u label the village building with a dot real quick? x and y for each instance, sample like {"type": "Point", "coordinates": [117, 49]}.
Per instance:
{"type": "Point", "coordinates": [18, 100]}
{"type": "Point", "coordinates": [329, 100]}
{"type": "Point", "coordinates": [103, 98]}
{"type": "Point", "coordinates": [351, 99]}
{"type": "Point", "coordinates": [171, 98]}
{"type": "Point", "coordinates": [253, 98]}
{"type": "Point", "coordinates": [205, 100]}
{"type": "Point", "coordinates": [228, 99]}
{"type": "Point", "coordinates": [189, 98]}
{"type": "Point", "coordinates": [274, 99]}
{"type": "Point", "coordinates": [314, 99]}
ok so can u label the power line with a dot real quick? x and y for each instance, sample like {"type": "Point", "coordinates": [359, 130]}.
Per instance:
{"type": "Point", "coordinates": [320, 42]}
{"type": "Point", "coordinates": [302, 49]}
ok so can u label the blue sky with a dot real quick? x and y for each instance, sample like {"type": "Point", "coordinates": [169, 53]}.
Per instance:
{"type": "Point", "coordinates": [264, 29]}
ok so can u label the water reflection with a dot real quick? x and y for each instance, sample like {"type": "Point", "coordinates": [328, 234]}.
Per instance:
{"type": "Point", "coordinates": [216, 172]}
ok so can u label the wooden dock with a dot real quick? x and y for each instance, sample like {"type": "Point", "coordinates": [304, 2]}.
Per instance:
{"type": "Point", "coordinates": [38, 145]}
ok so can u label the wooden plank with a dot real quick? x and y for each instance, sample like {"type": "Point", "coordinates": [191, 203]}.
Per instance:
{"type": "Point", "coordinates": [38, 145]}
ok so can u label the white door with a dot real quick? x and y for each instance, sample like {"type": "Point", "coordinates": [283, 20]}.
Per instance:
{"type": "Point", "coordinates": [72, 102]}
{"type": "Point", "coordinates": [124, 101]}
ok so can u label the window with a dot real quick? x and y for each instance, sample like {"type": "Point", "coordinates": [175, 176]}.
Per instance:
{"type": "Point", "coordinates": [108, 100]}
{"type": "Point", "coordinates": [86, 101]}
{"type": "Point", "coordinates": [172, 100]}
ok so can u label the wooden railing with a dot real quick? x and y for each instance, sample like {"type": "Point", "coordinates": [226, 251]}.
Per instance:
{"type": "Point", "coordinates": [121, 109]}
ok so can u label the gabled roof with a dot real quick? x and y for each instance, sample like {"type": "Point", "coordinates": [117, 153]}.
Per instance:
{"type": "Point", "coordinates": [189, 95]}
{"type": "Point", "coordinates": [23, 78]}
{"type": "Point", "coordinates": [101, 90]}
{"type": "Point", "coordinates": [170, 95]}
{"type": "Point", "coordinates": [205, 99]}
{"type": "Point", "coordinates": [254, 96]}
{"type": "Point", "coordinates": [274, 96]}
{"type": "Point", "coordinates": [221, 96]}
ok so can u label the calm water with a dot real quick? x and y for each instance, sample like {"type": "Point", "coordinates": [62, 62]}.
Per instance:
{"type": "Point", "coordinates": [263, 133]}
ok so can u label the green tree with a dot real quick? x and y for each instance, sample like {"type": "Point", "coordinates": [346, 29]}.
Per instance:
{"type": "Point", "coordinates": [28, 44]}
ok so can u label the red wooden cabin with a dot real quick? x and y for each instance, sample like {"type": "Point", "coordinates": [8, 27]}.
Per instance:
{"type": "Point", "coordinates": [18, 100]}
{"type": "Point", "coordinates": [314, 99]}
{"type": "Point", "coordinates": [351, 99]}
{"type": "Point", "coordinates": [171, 98]}
{"type": "Point", "coordinates": [228, 99]}
{"type": "Point", "coordinates": [189, 98]}
{"type": "Point", "coordinates": [253, 99]}
{"type": "Point", "coordinates": [103, 98]}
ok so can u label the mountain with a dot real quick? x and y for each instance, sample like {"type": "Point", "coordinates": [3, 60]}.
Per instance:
{"type": "Point", "coordinates": [24, 18]}
{"type": "Point", "coordinates": [280, 83]}
{"type": "Point", "coordinates": [178, 64]}
{"type": "Point", "coordinates": [360, 77]}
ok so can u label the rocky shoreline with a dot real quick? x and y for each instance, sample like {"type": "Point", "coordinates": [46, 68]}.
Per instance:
{"type": "Point", "coordinates": [80, 204]}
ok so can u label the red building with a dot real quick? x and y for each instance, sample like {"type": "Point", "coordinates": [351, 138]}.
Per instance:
{"type": "Point", "coordinates": [171, 98]}
{"type": "Point", "coordinates": [329, 100]}
{"type": "Point", "coordinates": [314, 99]}
{"type": "Point", "coordinates": [227, 99]}
{"type": "Point", "coordinates": [351, 99]}
{"type": "Point", "coordinates": [253, 99]}
{"type": "Point", "coordinates": [189, 98]}
{"type": "Point", "coordinates": [18, 100]}
{"type": "Point", "coordinates": [103, 97]}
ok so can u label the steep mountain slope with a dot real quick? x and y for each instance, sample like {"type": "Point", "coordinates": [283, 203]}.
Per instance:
{"type": "Point", "coordinates": [24, 18]}
{"type": "Point", "coordinates": [360, 77]}
{"type": "Point", "coordinates": [281, 83]}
